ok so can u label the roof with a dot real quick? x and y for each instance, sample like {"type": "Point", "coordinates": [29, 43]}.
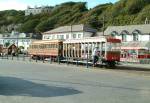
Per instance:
{"type": "Point", "coordinates": [144, 29]}
{"type": "Point", "coordinates": [99, 34]}
{"type": "Point", "coordinates": [73, 28]}
{"type": "Point", "coordinates": [45, 41]}
{"type": "Point", "coordinates": [11, 45]}
{"type": "Point", "coordinates": [86, 40]}
{"type": "Point", "coordinates": [136, 45]}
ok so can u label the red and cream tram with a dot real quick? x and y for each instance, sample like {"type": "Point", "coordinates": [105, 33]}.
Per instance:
{"type": "Point", "coordinates": [44, 49]}
{"type": "Point", "coordinates": [81, 49]}
{"type": "Point", "coordinates": [108, 47]}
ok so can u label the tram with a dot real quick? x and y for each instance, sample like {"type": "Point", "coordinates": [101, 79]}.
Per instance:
{"type": "Point", "coordinates": [41, 49]}
{"type": "Point", "coordinates": [78, 49]}
{"type": "Point", "coordinates": [108, 48]}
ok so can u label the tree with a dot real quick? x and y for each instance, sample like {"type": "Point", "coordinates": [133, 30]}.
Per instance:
{"type": "Point", "coordinates": [143, 15]}
{"type": "Point", "coordinates": [7, 44]}
{"type": "Point", "coordinates": [29, 26]}
{"type": "Point", "coordinates": [46, 25]}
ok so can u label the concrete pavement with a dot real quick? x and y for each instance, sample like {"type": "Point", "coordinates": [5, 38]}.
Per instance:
{"type": "Point", "coordinates": [25, 82]}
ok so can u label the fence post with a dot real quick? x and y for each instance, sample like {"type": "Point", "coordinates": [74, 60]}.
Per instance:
{"type": "Point", "coordinates": [23, 57]}
{"type": "Point", "coordinates": [77, 62]}
{"type": "Point", "coordinates": [29, 58]}
{"type": "Point", "coordinates": [17, 56]}
{"type": "Point", "coordinates": [12, 57]}
{"type": "Point", "coordinates": [50, 60]}
{"type": "Point", "coordinates": [43, 59]}
{"type": "Point", "coordinates": [2, 55]}
{"type": "Point", "coordinates": [67, 61]}
{"type": "Point", "coordinates": [36, 59]}
{"type": "Point", "coordinates": [87, 61]}
{"type": "Point", "coordinates": [7, 56]}
{"type": "Point", "coordinates": [58, 60]}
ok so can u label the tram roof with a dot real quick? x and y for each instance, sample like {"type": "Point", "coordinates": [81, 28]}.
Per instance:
{"type": "Point", "coordinates": [46, 41]}
{"type": "Point", "coordinates": [87, 40]}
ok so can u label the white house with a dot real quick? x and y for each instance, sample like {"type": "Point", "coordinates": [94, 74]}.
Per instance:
{"type": "Point", "coordinates": [20, 40]}
{"type": "Point", "coordinates": [130, 32]}
{"type": "Point", "coordinates": [135, 39]}
{"type": "Point", "coordinates": [69, 32]}
{"type": "Point", "coordinates": [37, 10]}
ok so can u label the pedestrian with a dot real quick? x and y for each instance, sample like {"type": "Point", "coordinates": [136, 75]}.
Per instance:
{"type": "Point", "coordinates": [95, 56]}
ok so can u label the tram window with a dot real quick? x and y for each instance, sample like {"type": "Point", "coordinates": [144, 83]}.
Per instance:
{"type": "Point", "coordinates": [49, 46]}
{"type": "Point", "coordinates": [52, 45]}
{"type": "Point", "coordinates": [56, 45]}
{"type": "Point", "coordinates": [43, 46]}
{"type": "Point", "coordinates": [40, 46]}
{"type": "Point", "coordinates": [60, 47]}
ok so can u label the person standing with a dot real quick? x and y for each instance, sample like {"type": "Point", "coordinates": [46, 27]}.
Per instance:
{"type": "Point", "coordinates": [95, 56]}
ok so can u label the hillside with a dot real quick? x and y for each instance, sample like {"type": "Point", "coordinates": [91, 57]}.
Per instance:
{"type": "Point", "coordinates": [123, 12]}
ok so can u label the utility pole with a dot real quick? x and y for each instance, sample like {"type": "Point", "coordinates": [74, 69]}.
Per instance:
{"type": "Point", "coordinates": [103, 24]}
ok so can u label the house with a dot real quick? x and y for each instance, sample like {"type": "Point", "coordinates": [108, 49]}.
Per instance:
{"type": "Point", "coordinates": [69, 32]}
{"type": "Point", "coordinates": [130, 32]}
{"type": "Point", "coordinates": [37, 10]}
{"type": "Point", "coordinates": [135, 40]}
{"type": "Point", "coordinates": [20, 40]}
{"type": "Point", "coordinates": [11, 49]}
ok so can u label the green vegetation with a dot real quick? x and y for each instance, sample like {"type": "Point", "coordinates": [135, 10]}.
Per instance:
{"type": "Point", "coordinates": [123, 12]}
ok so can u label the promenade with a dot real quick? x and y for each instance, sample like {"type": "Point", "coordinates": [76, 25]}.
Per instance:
{"type": "Point", "coordinates": [31, 82]}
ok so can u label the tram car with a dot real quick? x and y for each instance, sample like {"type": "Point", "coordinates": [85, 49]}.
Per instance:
{"type": "Point", "coordinates": [41, 49]}
{"type": "Point", "coordinates": [108, 48]}
{"type": "Point", "coordinates": [78, 49]}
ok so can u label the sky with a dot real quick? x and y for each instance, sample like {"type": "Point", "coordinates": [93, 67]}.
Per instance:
{"type": "Point", "coordinates": [22, 4]}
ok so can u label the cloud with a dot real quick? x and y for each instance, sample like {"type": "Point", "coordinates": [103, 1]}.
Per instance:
{"type": "Point", "coordinates": [12, 4]}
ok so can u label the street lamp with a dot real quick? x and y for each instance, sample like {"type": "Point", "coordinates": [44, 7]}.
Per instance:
{"type": "Point", "coordinates": [17, 34]}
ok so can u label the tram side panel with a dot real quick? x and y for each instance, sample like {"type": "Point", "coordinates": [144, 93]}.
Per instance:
{"type": "Point", "coordinates": [46, 50]}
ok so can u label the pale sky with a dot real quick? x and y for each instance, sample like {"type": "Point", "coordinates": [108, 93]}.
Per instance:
{"type": "Point", "coordinates": [22, 4]}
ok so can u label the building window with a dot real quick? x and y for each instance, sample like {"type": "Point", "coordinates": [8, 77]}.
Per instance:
{"type": "Point", "coordinates": [124, 37]}
{"type": "Point", "coordinates": [114, 33]}
{"type": "Point", "coordinates": [135, 37]}
{"type": "Point", "coordinates": [58, 37]}
{"type": "Point", "coordinates": [67, 36]}
{"type": "Point", "coordinates": [53, 37]}
{"type": "Point", "coordinates": [136, 34]}
{"type": "Point", "coordinates": [62, 37]}
{"type": "Point", "coordinates": [45, 37]}
{"type": "Point", "coordinates": [74, 36]}
{"type": "Point", "coordinates": [49, 37]}
{"type": "Point", "coordinates": [79, 35]}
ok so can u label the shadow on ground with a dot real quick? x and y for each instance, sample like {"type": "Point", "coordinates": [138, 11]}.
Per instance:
{"type": "Point", "coordinates": [132, 68]}
{"type": "Point", "coordinates": [10, 86]}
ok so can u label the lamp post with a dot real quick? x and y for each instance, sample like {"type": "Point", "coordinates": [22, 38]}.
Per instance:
{"type": "Point", "coordinates": [17, 34]}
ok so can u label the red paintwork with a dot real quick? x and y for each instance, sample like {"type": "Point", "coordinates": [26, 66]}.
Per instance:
{"type": "Point", "coordinates": [144, 56]}
{"type": "Point", "coordinates": [113, 56]}
{"type": "Point", "coordinates": [113, 40]}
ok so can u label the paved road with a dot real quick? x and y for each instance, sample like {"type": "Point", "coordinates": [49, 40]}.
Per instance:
{"type": "Point", "coordinates": [24, 82]}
